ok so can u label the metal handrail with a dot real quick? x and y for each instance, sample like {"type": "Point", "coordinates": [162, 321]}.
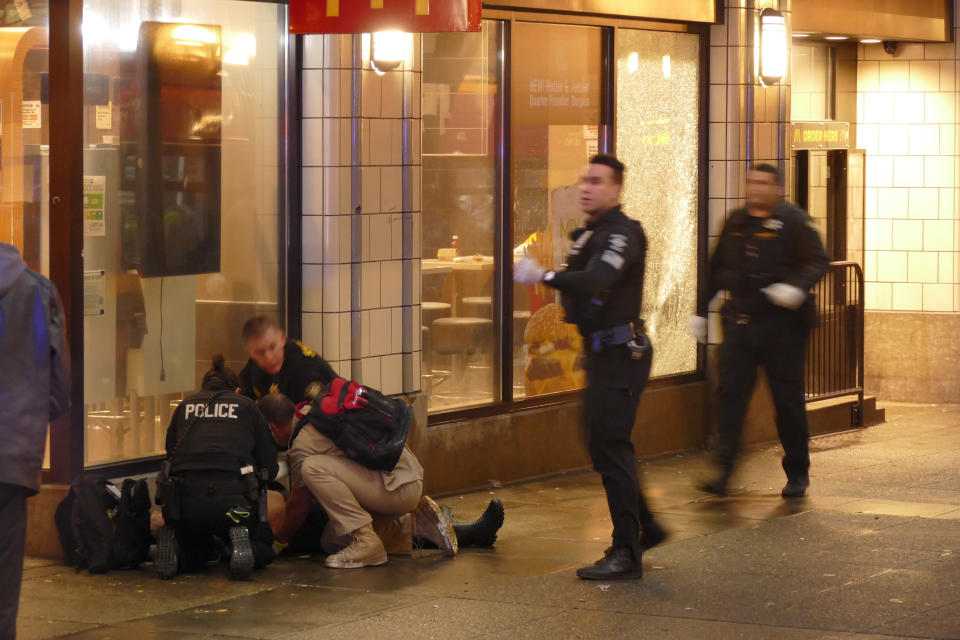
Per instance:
{"type": "Point", "coordinates": [834, 360]}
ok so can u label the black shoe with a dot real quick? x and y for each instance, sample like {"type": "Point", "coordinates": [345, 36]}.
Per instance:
{"type": "Point", "coordinates": [241, 554]}
{"type": "Point", "coordinates": [716, 487]}
{"type": "Point", "coordinates": [794, 489]}
{"type": "Point", "coordinates": [653, 534]}
{"type": "Point", "coordinates": [167, 553]}
{"type": "Point", "coordinates": [482, 532]}
{"type": "Point", "coordinates": [617, 564]}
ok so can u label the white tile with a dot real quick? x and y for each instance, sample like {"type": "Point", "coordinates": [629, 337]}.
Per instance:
{"type": "Point", "coordinates": [908, 108]}
{"type": "Point", "coordinates": [331, 50]}
{"type": "Point", "coordinates": [371, 189]}
{"type": "Point", "coordinates": [311, 239]}
{"type": "Point", "coordinates": [924, 75]}
{"type": "Point", "coordinates": [940, 108]}
{"type": "Point", "coordinates": [312, 93]}
{"type": "Point", "coordinates": [345, 109]}
{"type": "Point", "coordinates": [946, 263]}
{"type": "Point", "coordinates": [333, 296]}
{"type": "Point", "coordinates": [938, 171]}
{"type": "Point", "coordinates": [417, 294]}
{"type": "Point", "coordinates": [893, 203]}
{"type": "Point", "coordinates": [892, 266]}
{"type": "Point", "coordinates": [907, 171]}
{"type": "Point", "coordinates": [365, 341]}
{"type": "Point", "coordinates": [336, 239]}
{"type": "Point", "coordinates": [380, 331]}
{"type": "Point", "coordinates": [312, 191]}
{"type": "Point", "coordinates": [336, 190]}
{"type": "Point", "coordinates": [380, 142]}
{"type": "Point", "coordinates": [879, 171]}
{"type": "Point", "coordinates": [396, 329]}
{"type": "Point", "coordinates": [346, 332]}
{"type": "Point", "coordinates": [370, 94]}
{"type": "Point", "coordinates": [924, 203]}
{"type": "Point", "coordinates": [895, 140]}
{"type": "Point", "coordinates": [907, 236]}
{"type": "Point", "coordinates": [391, 374]}
{"type": "Point", "coordinates": [391, 189]}
{"type": "Point", "coordinates": [878, 296]}
{"type": "Point", "coordinates": [312, 328]}
{"type": "Point", "coordinates": [331, 94]}
{"type": "Point", "coordinates": [332, 144]}
{"type": "Point", "coordinates": [938, 297]}
{"type": "Point", "coordinates": [311, 142]}
{"type": "Point", "coordinates": [894, 75]}
{"type": "Point", "coordinates": [947, 200]}
{"type": "Point", "coordinates": [868, 138]}
{"type": "Point", "coordinates": [391, 276]}
{"type": "Point", "coordinates": [411, 372]}
{"type": "Point", "coordinates": [331, 337]}
{"type": "Point", "coordinates": [868, 75]}
{"type": "Point", "coordinates": [396, 141]}
{"type": "Point", "coordinates": [869, 266]}
{"type": "Point", "coordinates": [396, 236]}
{"type": "Point", "coordinates": [870, 202]}
{"type": "Point", "coordinates": [922, 266]}
{"type": "Point", "coordinates": [878, 108]}
{"type": "Point", "coordinates": [910, 51]}
{"type": "Point", "coordinates": [370, 285]}
{"type": "Point", "coordinates": [948, 78]}
{"type": "Point", "coordinates": [939, 51]}
{"type": "Point", "coordinates": [718, 103]}
{"type": "Point", "coordinates": [366, 154]}
{"type": "Point", "coordinates": [370, 372]}
{"type": "Point", "coordinates": [417, 172]}
{"type": "Point", "coordinates": [948, 142]}
{"type": "Point", "coordinates": [312, 51]}
{"type": "Point", "coordinates": [907, 297]}
{"type": "Point", "coordinates": [379, 237]}
{"type": "Point", "coordinates": [718, 34]}
{"type": "Point", "coordinates": [938, 235]}
{"type": "Point", "coordinates": [391, 99]}
{"type": "Point", "coordinates": [878, 235]}
{"type": "Point", "coordinates": [718, 65]}
{"type": "Point", "coordinates": [312, 288]}
{"type": "Point", "coordinates": [924, 139]}
{"type": "Point", "coordinates": [718, 179]}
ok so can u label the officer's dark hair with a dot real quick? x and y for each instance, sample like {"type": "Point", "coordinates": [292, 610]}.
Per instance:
{"type": "Point", "coordinates": [258, 325]}
{"type": "Point", "coordinates": [220, 377]}
{"type": "Point", "coordinates": [767, 168]}
{"type": "Point", "coordinates": [611, 161]}
{"type": "Point", "coordinates": [276, 408]}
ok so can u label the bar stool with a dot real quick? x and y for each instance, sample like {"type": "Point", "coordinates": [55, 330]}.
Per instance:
{"type": "Point", "coordinates": [460, 338]}
{"type": "Point", "coordinates": [429, 312]}
{"type": "Point", "coordinates": [477, 306]}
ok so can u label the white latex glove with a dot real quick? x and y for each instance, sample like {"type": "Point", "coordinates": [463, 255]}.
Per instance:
{"type": "Point", "coordinates": [697, 328]}
{"type": "Point", "coordinates": [785, 295]}
{"type": "Point", "coordinates": [528, 271]}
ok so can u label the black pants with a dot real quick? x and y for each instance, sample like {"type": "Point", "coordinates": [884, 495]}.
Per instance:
{"type": "Point", "coordinates": [13, 538]}
{"type": "Point", "coordinates": [615, 383]}
{"type": "Point", "coordinates": [779, 344]}
{"type": "Point", "coordinates": [204, 503]}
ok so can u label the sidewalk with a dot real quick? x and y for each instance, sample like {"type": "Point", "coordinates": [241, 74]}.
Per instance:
{"type": "Point", "coordinates": [873, 552]}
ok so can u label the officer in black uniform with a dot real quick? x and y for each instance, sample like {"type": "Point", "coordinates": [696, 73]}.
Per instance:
{"type": "Point", "coordinates": [768, 257]}
{"type": "Point", "coordinates": [279, 365]}
{"type": "Point", "coordinates": [220, 453]}
{"type": "Point", "coordinates": [601, 291]}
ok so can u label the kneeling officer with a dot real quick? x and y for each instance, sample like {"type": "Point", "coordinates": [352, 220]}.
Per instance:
{"type": "Point", "coordinates": [220, 454]}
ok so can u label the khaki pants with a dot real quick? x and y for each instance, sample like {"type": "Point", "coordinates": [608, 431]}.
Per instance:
{"type": "Point", "coordinates": [351, 495]}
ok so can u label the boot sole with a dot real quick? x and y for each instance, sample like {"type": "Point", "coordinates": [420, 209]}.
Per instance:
{"type": "Point", "coordinates": [586, 574]}
{"type": "Point", "coordinates": [430, 510]}
{"type": "Point", "coordinates": [376, 561]}
{"type": "Point", "coordinates": [165, 555]}
{"type": "Point", "coordinates": [241, 554]}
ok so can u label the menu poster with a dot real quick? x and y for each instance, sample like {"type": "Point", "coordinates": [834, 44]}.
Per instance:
{"type": "Point", "coordinates": [94, 292]}
{"type": "Point", "coordinates": [104, 116]}
{"type": "Point", "coordinates": [94, 191]}
{"type": "Point", "coordinates": [31, 114]}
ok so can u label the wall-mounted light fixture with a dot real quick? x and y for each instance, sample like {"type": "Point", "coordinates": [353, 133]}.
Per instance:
{"type": "Point", "coordinates": [773, 47]}
{"type": "Point", "coordinates": [388, 49]}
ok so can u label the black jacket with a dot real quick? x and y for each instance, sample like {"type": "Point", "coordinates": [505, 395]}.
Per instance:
{"type": "Point", "coordinates": [753, 253]}
{"type": "Point", "coordinates": [602, 285]}
{"type": "Point", "coordinates": [301, 367]}
{"type": "Point", "coordinates": [228, 432]}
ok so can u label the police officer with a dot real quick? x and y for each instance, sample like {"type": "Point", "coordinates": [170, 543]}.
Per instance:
{"type": "Point", "coordinates": [219, 452]}
{"type": "Point", "coordinates": [768, 257]}
{"type": "Point", "coordinates": [601, 290]}
{"type": "Point", "coordinates": [279, 365]}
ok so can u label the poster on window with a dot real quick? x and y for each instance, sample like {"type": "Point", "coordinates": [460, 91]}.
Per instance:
{"type": "Point", "coordinates": [94, 292]}
{"type": "Point", "coordinates": [31, 114]}
{"type": "Point", "coordinates": [94, 192]}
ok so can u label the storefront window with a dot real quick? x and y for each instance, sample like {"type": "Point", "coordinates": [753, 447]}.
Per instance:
{"type": "Point", "coordinates": [181, 207]}
{"type": "Point", "coordinates": [657, 139]}
{"type": "Point", "coordinates": [461, 72]}
{"type": "Point", "coordinates": [555, 107]}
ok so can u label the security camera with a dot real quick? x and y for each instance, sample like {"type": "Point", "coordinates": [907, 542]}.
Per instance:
{"type": "Point", "coordinates": [890, 46]}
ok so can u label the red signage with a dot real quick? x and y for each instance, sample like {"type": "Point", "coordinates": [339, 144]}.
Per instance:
{"type": "Point", "coordinates": [365, 16]}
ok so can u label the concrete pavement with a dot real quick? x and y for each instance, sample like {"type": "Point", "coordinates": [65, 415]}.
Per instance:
{"type": "Point", "coordinates": [873, 552]}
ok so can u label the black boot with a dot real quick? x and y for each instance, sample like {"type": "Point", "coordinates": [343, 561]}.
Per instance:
{"type": "Point", "coordinates": [241, 553]}
{"type": "Point", "coordinates": [482, 532]}
{"type": "Point", "coordinates": [616, 564]}
{"type": "Point", "coordinates": [653, 534]}
{"type": "Point", "coordinates": [167, 554]}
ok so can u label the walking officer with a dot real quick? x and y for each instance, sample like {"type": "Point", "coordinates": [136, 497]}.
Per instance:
{"type": "Point", "coordinates": [220, 453]}
{"type": "Point", "coordinates": [768, 258]}
{"type": "Point", "coordinates": [601, 291]}
{"type": "Point", "coordinates": [279, 365]}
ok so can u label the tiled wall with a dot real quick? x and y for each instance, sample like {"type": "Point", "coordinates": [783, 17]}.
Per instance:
{"type": "Point", "coordinates": [746, 119]}
{"type": "Point", "coordinates": [907, 113]}
{"type": "Point", "coordinates": [808, 70]}
{"type": "Point", "coordinates": [361, 212]}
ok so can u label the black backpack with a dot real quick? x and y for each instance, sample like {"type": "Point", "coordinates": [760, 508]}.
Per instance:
{"type": "Point", "coordinates": [366, 425]}
{"type": "Point", "coordinates": [102, 527]}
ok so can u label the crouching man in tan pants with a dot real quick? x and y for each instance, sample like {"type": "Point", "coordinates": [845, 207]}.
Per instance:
{"type": "Point", "coordinates": [353, 496]}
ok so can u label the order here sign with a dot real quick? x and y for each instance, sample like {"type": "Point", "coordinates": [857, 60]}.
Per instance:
{"type": "Point", "coordinates": [364, 16]}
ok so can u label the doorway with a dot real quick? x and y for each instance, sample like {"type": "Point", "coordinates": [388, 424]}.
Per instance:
{"type": "Point", "coordinates": [820, 188]}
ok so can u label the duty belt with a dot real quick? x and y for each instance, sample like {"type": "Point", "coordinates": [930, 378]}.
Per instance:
{"type": "Point", "coordinates": [622, 334]}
